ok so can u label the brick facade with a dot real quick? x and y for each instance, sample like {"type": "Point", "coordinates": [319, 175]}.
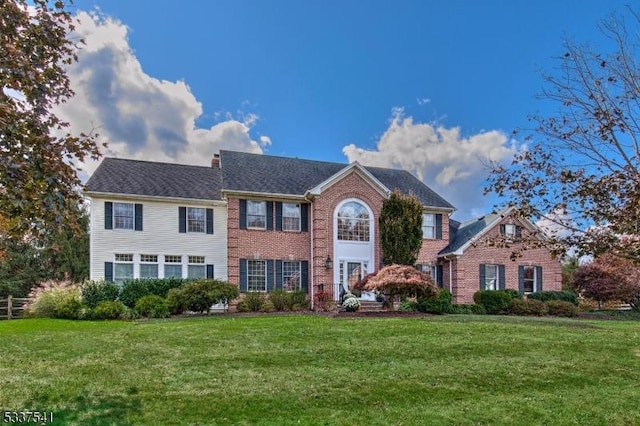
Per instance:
{"type": "Point", "coordinates": [466, 268]}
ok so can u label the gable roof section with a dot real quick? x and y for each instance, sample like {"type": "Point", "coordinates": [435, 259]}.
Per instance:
{"type": "Point", "coordinates": [353, 167]}
{"type": "Point", "coordinates": [133, 177]}
{"type": "Point", "coordinates": [266, 174]}
{"type": "Point", "coordinates": [466, 233]}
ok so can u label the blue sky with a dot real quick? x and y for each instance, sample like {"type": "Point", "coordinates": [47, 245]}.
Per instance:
{"type": "Point", "coordinates": [435, 87]}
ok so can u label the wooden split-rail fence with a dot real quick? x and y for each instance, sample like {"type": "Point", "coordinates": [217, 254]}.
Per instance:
{"type": "Point", "coordinates": [12, 307]}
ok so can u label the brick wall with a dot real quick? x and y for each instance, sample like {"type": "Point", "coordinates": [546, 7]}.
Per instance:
{"type": "Point", "coordinates": [467, 267]}
{"type": "Point", "coordinates": [251, 243]}
{"type": "Point", "coordinates": [351, 186]}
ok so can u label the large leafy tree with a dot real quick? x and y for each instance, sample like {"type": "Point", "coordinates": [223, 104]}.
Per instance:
{"type": "Point", "coordinates": [61, 255]}
{"type": "Point", "coordinates": [580, 167]}
{"type": "Point", "coordinates": [609, 277]}
{"type": "Point", "coordinates": [400, 229]}
{"type": "Point", "coordinates": [38, 177]}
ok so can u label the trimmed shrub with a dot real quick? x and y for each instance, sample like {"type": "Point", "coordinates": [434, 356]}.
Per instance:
{"type": "Point", "coordinates": [242, 306]}
{"type": "Point", "coordinates": [561, 308]}
{"type": "Point", "coordinates": [526, 307]}
{"type": "Point", "coordinates": [177, 301]}
{"type": "Point", "coordinates": [545, 296]}
{"type": "Point", "coordinates": [267, 306]}
{"type": "Point", "coordinates": [408, 306]}
{"type": "Point", "coordinates": [200, 295]}
{"type": "Point", "coordinates": [279, 300]}
{"type": "Point", "coordinates": [152, 306]}
{"type": "Point", "coordinates": [297, 300]}
{"type": "Point", "coordinates": [94, 292]}
{"type": "Point", "coordinates": [132, 290]}
{"type": "Point", "coordinates": [56, 299]}
{"type": "Point", "coordinates": [254, 300]}
{"type": "Point", "coordinates": [108, 310]}
{"type": "Point", "coordinates": [439, 305]}
{"type": "Point", "coordinates": [515, 294]}
{"type": "Point", "coordinates": [470, 309]}
{"type": "Point", "coordinates": [493, 301]}
{"type": "Point", "coordinates": [351, 304]}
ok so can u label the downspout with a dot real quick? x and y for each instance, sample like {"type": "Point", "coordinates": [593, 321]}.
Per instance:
{"type": "Point", "coordinates": [450, 275]}
{"type": "Point", "coordinates": [311, 266]}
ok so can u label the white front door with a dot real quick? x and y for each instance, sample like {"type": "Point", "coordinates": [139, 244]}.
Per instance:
{"type": "Point", "coordinates": [349, 273]}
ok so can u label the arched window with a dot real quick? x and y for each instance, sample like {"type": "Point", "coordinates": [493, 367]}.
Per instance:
{"type": "Point", "coordinates": [353, 222]}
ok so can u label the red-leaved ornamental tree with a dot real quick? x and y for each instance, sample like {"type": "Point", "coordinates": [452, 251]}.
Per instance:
{"type": "Point", "coordinates": [609, 277]}
{"type": "Point", "coordinates": [396, 280]}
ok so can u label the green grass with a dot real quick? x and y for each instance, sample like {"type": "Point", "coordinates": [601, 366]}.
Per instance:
{"type": "Point", "coordinates": [298, 369]}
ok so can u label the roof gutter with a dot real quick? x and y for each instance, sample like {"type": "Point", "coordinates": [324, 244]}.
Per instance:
{"type": "Point", "coordinates": [157, 198]}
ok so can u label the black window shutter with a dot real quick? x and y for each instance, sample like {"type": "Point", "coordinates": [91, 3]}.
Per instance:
{"type": "Point", "coordinates": [503, 229]}
{"type": "Point", "coordinates": [270, 275]}
{"type": "Point", "coordinates": [243, 275]}
{"type": "Point", "coordinates": [521, 279]}
{"type": "Point", "coordinates": [538, 278]}
{"type": "Point", "coordinates": [182, 220]}
{"type": "Point", "coordinates": [278, 216]}
{"type": "Point", "coordinates": [304, 217]}
{"type": "Point", "coordinates": [278, 274]}
{"type": "Point", "coordinates": [501, 277]}
{"type": "Point", "coordinates": [269, 215]}
{"type": "Point", "coordinates": [243, 214]}
{"type": "Point", "coordinates": [210, 272]}
{"type": "Point", "coordinates": [482, 276]}
{"type": "Point", "coordinates": [304, 275]}
{"type": "Point", "coordinates": [518, 233]}
{"type": "Point", "coordinates": [209, 221]}
{"type": "Point", "coordinates": [439, 277]}
{"type": "Point", "coordinates": [438, 226]}
{"type": "Point", "coordinates": [138, 217]}
{"type": "Point", "coordinates": [108, 215]}
{"type": "Point", "coordinates": [108, 271]}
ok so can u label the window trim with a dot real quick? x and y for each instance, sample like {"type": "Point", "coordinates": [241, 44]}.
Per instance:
{"type": "Point", "coordinates": [263, 214]}
{"type": "Point", "coordinates": [147, 259]}
{"type": "Point", "coordinates": [116, 216]}
{"type": "Point", "coordinates": [126, 259]}
{"type": "Point", "coordinates": [299, 217]}
{"type": "Point", "coordinates": [251, 262]}
{"type": "Point", "coordinates": [190, 221]}
{"type": "Point", "coordinates": [432, 226]}
{"type": "Point", "coordinates": [172, 260]}
{"type": "Point", "coordinates": [533, 279]}
{"type": "Point", "coordinates": [285, 278]}
{"type": "Point", "coordinates": [340, 231]}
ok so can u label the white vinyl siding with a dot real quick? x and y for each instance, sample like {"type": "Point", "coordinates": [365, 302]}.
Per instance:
{"type": "Point", "coordinates": [161, 236]}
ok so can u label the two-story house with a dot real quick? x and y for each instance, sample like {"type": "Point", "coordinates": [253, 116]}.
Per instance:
{"type": "Point", "coordinates": [266, 222]}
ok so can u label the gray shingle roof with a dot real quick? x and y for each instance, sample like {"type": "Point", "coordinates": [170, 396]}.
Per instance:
{"type": "Point", "coordinates": [120, 176]}
{"type": "Point", "coordinates": [293, 176]}
{"type": "Point", "coordinates": [465, 232]}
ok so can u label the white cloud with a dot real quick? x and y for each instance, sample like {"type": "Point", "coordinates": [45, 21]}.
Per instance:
{"type": "Point", "coordinates": [140, 116]}
{"type": "Point", "coordinates": [452, 165]}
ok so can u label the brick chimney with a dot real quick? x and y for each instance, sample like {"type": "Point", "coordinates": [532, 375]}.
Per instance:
{"type": "Point", "coordinates": [215, 161]}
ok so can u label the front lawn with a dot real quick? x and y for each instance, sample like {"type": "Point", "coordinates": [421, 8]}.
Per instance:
{"type": "Point", "coordinates": [305, 369]}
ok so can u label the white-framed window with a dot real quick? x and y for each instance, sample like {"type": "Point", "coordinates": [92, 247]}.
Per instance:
{"type": "Point", "coordinates": [432, 270]}
{"type": "Point", "coordinates": [123, 216]}
{"type": "Point", "coordinates": [257, 275]}
{"type": "Point", "coordinates": [491, 277]}
{"type": "Point", "coordinates": [148, 266]}
{"type": "Point", "coordinates": [428, 226]}
{"type": "Point", "coordinates": [196, 219]}
{"type": "Point", "coordinates": [291, 272]}
{"type": "Point", "coordinates": [172, 266]}
{"type": "Point", "coordinates": [196, 267]}
{"type": "Point", "coordinates": [510, 231]}
{"type": "Point", "coordinates": [122, 268]}
{"type": "Point", "coordinates": [290, 217]}
{"type": "Point", "coordinates": [256, 214]}
{"type": "Point", "coordinates": [529, 279]}
{"type": "Point", "coordinates": [353, 222]}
